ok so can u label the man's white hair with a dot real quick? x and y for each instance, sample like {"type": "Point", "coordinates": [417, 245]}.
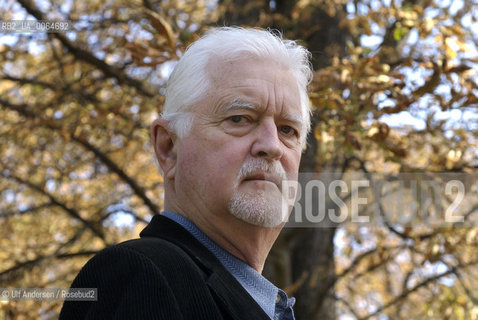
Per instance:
{"type": "Point", "coordinates": [189, 82]}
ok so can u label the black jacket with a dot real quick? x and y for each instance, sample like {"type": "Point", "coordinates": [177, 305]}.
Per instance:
{"type": "Point", "coordinates": [166, 274]}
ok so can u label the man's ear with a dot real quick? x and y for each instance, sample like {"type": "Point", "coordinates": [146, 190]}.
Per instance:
{"type": "Point", "coordinates": [164, 140]}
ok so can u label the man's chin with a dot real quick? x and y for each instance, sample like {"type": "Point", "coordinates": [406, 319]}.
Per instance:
{"type": "Point", "coordinates": [258, 210]}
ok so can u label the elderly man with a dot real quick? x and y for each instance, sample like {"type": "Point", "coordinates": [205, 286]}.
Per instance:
{"type": "Point", "coordinates": [233, 128]}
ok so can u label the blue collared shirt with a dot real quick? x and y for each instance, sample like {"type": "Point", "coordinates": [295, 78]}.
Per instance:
{"type": "Point", "coordinates": [272, 300]}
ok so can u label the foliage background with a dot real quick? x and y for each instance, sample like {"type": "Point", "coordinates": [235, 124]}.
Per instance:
{"type": "Point", "coordinates": [395, 90]}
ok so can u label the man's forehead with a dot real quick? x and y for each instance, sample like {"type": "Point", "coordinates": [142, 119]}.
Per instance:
{"type": "Point", "coordinates": [219, 67]}
{"type": "Point", "coordinates": [246, 83]}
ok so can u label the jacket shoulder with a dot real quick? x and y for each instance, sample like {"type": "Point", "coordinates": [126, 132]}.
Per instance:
{"type": "Point", "coordinates": [128, 286]}
{"type": "Point", "coordinates": [147, 278]}
{"type": "Point", "coordinates": [162, 253]}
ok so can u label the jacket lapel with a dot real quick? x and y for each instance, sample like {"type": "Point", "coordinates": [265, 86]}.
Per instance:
{"type": "Point", "coordinates": [225, 288]}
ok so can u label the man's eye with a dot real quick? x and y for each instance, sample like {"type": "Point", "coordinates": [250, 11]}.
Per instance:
{"type": "Point", "coordinates": [237, 119]}
{"type": "Point", "coordinates": [287, 130]}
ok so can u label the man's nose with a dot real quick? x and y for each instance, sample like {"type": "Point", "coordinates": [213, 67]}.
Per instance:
{"type": "Point", "coordinates": [267, 143]}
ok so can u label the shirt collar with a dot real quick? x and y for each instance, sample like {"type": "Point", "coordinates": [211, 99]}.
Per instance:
{"type": "Point", "coordinates": [260, 289]}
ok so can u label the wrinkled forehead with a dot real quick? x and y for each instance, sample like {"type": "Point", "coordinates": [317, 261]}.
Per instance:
{"type": "Point", "coordinates": [219, 67]}
{"type": "Point", "coordinates": [248, 72]}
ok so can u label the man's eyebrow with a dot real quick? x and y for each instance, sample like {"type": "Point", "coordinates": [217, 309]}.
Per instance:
{"type": "Point", "coordinates": [241, 105]}
{"type": "Point", "coordinates": [237, 105]}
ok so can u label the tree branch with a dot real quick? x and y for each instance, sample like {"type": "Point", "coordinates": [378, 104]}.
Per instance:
{"type": "Point", "coordinates": [467, 290]}
{"type": "Point", "coordinates": [364, 255]}
{"type": "Point", "coordinates": [139, 191]}
{"type": "Point", "coordinates": [66, 89]}
{"type": "Point", "coordinates": [30, 81]}
{"type": "Point", "coordinates": [28, 210]}
{"type": "Point", "coordinates": [347, 305]}
{"type": "Point", "coordinates": [72, 212]}
{"type": "Point", "coordinates": [114, 168]}
{"type": "Point", "coordinates": [424, 283]}
{"type": "Point", "coordinates": [87, 56]}
{"type": "Point", "coordinates": [39, 259]}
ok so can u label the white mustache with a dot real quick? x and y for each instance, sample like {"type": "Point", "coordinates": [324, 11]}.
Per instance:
{"type": "Point", "coordinates": [273, 170]}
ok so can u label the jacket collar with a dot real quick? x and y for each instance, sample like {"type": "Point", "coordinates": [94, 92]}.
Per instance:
{"type": "Point", "coordinates": [228, 292]}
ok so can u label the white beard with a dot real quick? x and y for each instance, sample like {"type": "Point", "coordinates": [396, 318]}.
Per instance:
{"type": "Point", "coordinates": [263, 207]}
